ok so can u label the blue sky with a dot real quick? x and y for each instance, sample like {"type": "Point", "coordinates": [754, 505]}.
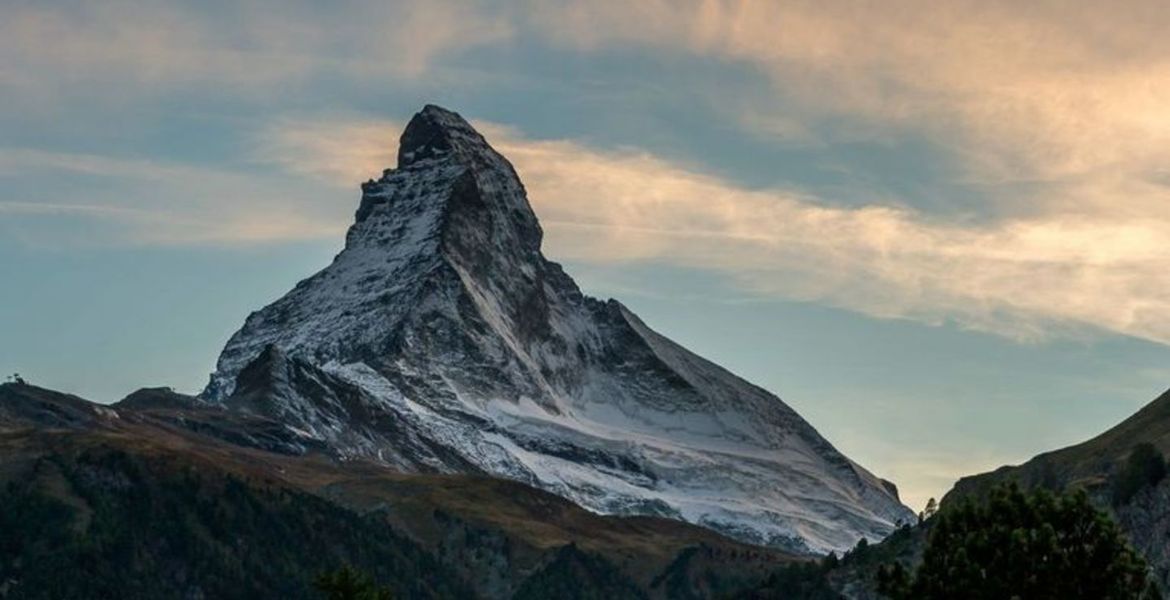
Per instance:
{"type": "Point", "coordinates": [936, 229]}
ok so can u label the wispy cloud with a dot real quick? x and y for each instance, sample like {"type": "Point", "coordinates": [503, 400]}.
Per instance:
{"type": "Point", "coordinates": [1023, 277]}
{"type": "Point", "coordinates": [1043, 91]}
{"type": "Point", "coordinates": [156, 202]}
{"type": "Point", "coordinates": [338, 149]}
{"type": "Point", "coordinates": [1057, 112]}
{"type": "Point", "coordinates": [123, 46]}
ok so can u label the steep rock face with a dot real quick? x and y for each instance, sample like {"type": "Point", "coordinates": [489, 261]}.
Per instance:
{"type": "Point", "coordinates": [440, 339]}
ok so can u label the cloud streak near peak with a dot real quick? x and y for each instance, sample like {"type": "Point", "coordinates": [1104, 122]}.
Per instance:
{"type": "Point", "coordinates": [1025, 278]}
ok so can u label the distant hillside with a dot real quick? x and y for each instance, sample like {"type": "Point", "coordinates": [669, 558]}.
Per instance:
{"type": "Point", "coordinates": [1088, 464]}
{"type": "Point", "coordinates": [1096, 466]}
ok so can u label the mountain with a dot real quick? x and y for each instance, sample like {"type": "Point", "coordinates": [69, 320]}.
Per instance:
{"type": "Point", "coordinates": [441, 340]}
{"type": "Point", "coordinates": [1097, 466]}
{"type": "Point", "coordinates": [1089, 464]}
{"type": "Point", "coordinates": [159, 497]}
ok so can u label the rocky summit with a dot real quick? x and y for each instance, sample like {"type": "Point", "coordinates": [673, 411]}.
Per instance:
{"type": "Point", "coordinates": [442, 340]}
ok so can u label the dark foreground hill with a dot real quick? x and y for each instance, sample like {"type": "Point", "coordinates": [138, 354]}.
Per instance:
{"type": "Point", "coordinates": [158, 497]}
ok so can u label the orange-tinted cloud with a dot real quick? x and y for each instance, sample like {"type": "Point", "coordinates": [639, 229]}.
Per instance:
{"type": "Point", "coordinates": [164, 203]}
{"type": "Point", "coordinates": [1026, 277]}
{"type": "Point", "coordinates": [1056, 110]}
{"type": "Point", "coordinates": [122, 46]}
{"type": "Point", "coordinates": [1020, 91]}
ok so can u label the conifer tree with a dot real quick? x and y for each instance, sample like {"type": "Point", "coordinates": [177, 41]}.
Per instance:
{"type": "Point", "coordinates": [1144, 467]}
{"type": "Point", "coordinates": [348, 583]}
{"type": "Point", "coordinates": [1014, 545]}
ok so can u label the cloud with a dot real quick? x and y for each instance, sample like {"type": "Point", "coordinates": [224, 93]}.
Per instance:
{"type": "Point", "coordinates": [162, 203]}
{"type": "Point", "coordinates": [1042, 92]}
{"type": "Point", "coordinates": [129, 47]}
{"type": "Point", "coordinates": [1057, 114]}
{"type": "Point", "coordinates": [1021, 92]}
{"type": "Point", "coordinates": [1051, 112]}
{"type": "Point", "coordinates": [339, 149]}
{"type": "Point", "coordinates": [1027, 278]}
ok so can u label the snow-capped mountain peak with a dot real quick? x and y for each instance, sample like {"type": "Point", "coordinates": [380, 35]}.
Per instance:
{"type": "Point", "coordinates": [441, 339]}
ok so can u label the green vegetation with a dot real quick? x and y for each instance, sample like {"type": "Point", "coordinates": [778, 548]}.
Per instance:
{"type": "Point", "coordinates": [573, 574]}
{"type": "Point", "coordinates": [1144, 467]}
{"type": "Point", "coordinates": [821, 580]}
{"type": "Point", "coordinates": [1017, 545]}
{"type": "Point", "coordinates": [101, 523]}
{"type": "Point", "coordinates": [347, 583]}
{"type": "Point", "coordinates": [798, 581]}
{"type": "Point", "coordinates": [706, 571]}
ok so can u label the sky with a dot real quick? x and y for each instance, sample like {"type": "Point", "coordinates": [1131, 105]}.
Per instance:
{"type": "Point", "coordinates": [936, 229]}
